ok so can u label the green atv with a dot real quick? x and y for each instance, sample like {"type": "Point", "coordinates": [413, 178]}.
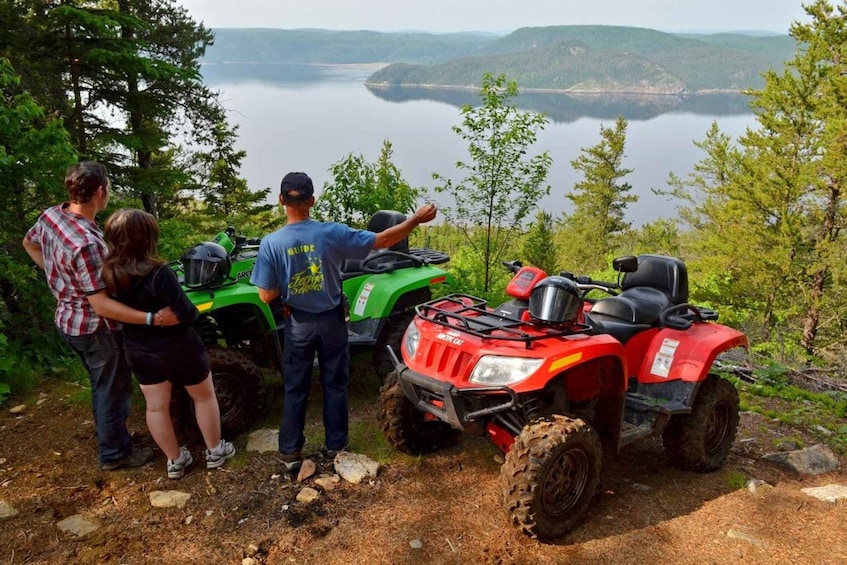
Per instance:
{"type": "Point", "coordinates": [243, 334]}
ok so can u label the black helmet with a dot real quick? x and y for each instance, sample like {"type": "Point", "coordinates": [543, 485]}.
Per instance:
{"type": "Point", "coordinates": [205, 264]}
{"type": "Point", "coordinates": [555, 300]}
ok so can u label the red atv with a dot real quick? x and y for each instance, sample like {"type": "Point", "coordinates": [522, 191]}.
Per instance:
{"type": "Point", "coordinates": [549, 375]}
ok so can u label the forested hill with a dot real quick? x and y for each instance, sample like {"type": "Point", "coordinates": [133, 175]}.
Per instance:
{"type": "Point", "coordinates": [320, 46]}
{"type": "Point", "coordinates": [608, 59]}
{"type": "Point", "coordinates": [571, 58]}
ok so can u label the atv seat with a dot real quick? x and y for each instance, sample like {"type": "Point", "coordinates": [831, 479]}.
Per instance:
{"type": "Point", "coordinates": [658, 283]}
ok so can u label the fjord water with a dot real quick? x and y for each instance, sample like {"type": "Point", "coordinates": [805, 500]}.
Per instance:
{"type": "Point", "coordinates": [305, 118]}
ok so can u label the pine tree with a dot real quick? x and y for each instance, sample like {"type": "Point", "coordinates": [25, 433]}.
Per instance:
{"type": "Point", "coordinates": [599, 200]}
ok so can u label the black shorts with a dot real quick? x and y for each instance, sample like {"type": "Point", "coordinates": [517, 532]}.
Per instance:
{"type": "Point", "coordinates": [182, 360]}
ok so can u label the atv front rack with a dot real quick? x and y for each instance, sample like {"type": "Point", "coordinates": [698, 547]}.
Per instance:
{"type": "Point", "coordinates": [470, 315]}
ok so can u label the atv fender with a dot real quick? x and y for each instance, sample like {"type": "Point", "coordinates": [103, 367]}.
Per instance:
{"type": "Point", "coordinates": [370, 300]}
{"type": "Point", "coordinates": [686, 355]}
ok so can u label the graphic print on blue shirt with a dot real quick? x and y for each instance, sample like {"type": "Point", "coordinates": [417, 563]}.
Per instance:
{"type": "Point", "coordinates": [309, 279]}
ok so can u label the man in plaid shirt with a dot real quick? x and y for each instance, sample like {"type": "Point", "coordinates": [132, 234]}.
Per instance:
{"type": "Point", "coordinates": [69, 246]}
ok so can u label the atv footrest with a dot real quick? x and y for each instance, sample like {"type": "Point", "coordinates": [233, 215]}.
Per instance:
{"type": "Point", "coordinates": [644, 403]}
{"type": "Point", "coordinates": [631, 432]}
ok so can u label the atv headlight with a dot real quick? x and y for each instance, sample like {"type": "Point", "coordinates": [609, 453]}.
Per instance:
{"type": "Point", "coordinates": [496, 370]}
{"type": "Point", "coordinates": [411, 339]}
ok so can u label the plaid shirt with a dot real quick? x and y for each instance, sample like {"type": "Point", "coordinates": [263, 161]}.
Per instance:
{"type": "Point", "coordinates": [73, 248]}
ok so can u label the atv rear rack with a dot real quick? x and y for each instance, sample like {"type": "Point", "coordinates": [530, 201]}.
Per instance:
{"type": "Point", "coordinates": [469, 314]}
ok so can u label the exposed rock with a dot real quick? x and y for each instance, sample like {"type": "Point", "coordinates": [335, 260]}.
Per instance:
{"type": "Point", "coordinates": [828, 493]}
{"type": "Point", "coordinates": [19, 409]}
{"type": "Point", "coordinates": [416, 544]}
{"type": "Point", "coordinates": [248, 561]}
{"type": "Point", "coordinates": [307, 469]}
{"type": "Point", "coordinates": [823, 430]}
{"type": "Point", "coordinates": [327, 482]}
{"type": "Point", "coordinates": [78, 525]}
{"type": "Point", "coordinates": [788, 445]}
{"type": "Point", "coordinates": [168, 498]}
{"type": "Point", "coordinates": [355, 467]}
{"type": "Point", "coordinates": [252, 550]}
{"type": "Point", "coordinates": [307, 495]}
{"type": "Point", "coordinates": [735, 534]}
{"type": "Point", "coordinates": [810, 461]}
{"type": "Point", "coordinates": [263, 440]}
{"type": "Point", "coordinates": [7, 510]}
{"type": "Point", "coordinates": [756, 486]}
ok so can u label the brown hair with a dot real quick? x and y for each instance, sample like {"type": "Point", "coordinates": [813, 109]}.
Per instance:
{"type": "Point", "coordinates": [132, 236]}
{"type": "Point", "coordinates": [83, 179]}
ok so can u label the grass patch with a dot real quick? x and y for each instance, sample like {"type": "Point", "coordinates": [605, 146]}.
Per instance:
{"type": "Point", "coordinates": [736, 479]}
{"type": "Point", "coordinates": [821, 414]}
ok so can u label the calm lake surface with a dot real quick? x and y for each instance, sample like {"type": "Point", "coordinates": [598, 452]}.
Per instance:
{"type": "Point", "coordinates": [305, 118]}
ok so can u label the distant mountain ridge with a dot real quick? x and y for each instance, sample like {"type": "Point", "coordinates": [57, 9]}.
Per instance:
{"type": "Point", "coordinates": [578, 59]}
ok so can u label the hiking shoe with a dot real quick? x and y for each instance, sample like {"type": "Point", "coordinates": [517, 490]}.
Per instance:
{"type": "Point", "coordinates": [331, 453]}
{"type": "Point", "coordinates": [139, 456]}
{"type": "Point", "coordinates": [218, 455]}
{"type": "Point", "coordinates": [291, 461]}
{"type": "Point", "coordinates": [176, 467]}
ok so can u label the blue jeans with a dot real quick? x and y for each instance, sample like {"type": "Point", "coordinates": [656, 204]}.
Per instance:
{"type": "Point", "coordinates": [102, 355]}
{"type": "Point", "coordinates": [305, 335]}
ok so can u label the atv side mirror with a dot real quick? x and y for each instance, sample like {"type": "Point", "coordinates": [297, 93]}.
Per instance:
{"type": "Point", "coordinates": [626, 264]}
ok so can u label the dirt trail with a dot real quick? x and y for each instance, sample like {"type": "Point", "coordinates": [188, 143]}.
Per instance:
{"type": "Point", "coordinates": [447, 503]}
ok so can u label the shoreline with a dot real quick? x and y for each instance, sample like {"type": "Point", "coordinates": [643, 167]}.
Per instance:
{"type": "Point", "coordinates": [373, 67]}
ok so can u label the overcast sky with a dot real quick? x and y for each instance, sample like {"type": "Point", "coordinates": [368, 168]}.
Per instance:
{"type": "Point", "coordinates": [498, 15]}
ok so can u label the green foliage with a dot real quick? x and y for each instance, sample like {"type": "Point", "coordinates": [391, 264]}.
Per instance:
{"type": "Point", "coordinates": [34, 153]}
{"type": "Point", "coordinates": [359, 189]}
{"type": "Point", "coordinates": [779, 191]}
{"type": "Point", "coordinates": [661, 236]}
{"type": "Point", "coordinates": [225, 194]}
{"type": "Point", "coordinates": [502, 186]}
{"type": "Point", "coordinates": [600, 200]}
{"type": "Point", "coordinates": [538, 247]}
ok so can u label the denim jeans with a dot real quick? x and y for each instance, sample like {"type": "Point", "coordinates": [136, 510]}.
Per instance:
{"type": "Point", "coordinates": [305, 335]}
{"type": "Point", "coordinates": [102, 355]}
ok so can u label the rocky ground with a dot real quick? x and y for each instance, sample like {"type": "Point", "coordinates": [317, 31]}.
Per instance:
{"type": "Point", "coordinates": [441, 508]}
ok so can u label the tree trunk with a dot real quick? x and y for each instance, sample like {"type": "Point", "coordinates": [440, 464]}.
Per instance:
{"type": "Point", "coordinates": [77, 120]}
{"type": "Point", "coordinates": [829, 233]}
{"type": "Point", "coordinates": [810, 324]}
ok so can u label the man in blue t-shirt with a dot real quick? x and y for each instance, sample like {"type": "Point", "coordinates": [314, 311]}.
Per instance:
{"type": "Point", "coordinates": [301, 263]}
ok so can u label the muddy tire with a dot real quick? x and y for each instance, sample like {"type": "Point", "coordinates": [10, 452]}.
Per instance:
{"type": "Point", "coordinates": [405, 427]}
{"type": "Point", "coordinates": [237, 383]}
{"type": "Point", "coordinates": [391, 334]}
{"type": "Point", "coordinates": [550, 476]}
{"type": "Point", "coordinates": [701, 440]}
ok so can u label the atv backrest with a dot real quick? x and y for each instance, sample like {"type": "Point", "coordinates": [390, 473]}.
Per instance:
{"type": "Point", "coordinates": [385, 219]}
{"type": "Point", "coordinates": [381, 220]}
{"type": "Point", "coordinates": [659, 283]}
{"type": "Point", "coordinates": [660, 272]}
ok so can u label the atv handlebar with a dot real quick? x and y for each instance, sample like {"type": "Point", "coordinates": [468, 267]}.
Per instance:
{"type": "Point", "coordinates": [513, 266]}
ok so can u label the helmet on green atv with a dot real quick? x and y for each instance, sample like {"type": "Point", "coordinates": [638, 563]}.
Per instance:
{"type": "Point", "coordinates": [205, 264]}
{"type": "Point", "coordinates": [555, 300]}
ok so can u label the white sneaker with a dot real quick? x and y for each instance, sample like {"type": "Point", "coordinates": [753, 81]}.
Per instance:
{"type": "Point", "coordinates": [176, 467]}
{"type": "Point", "coordinates": [218, 455]}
